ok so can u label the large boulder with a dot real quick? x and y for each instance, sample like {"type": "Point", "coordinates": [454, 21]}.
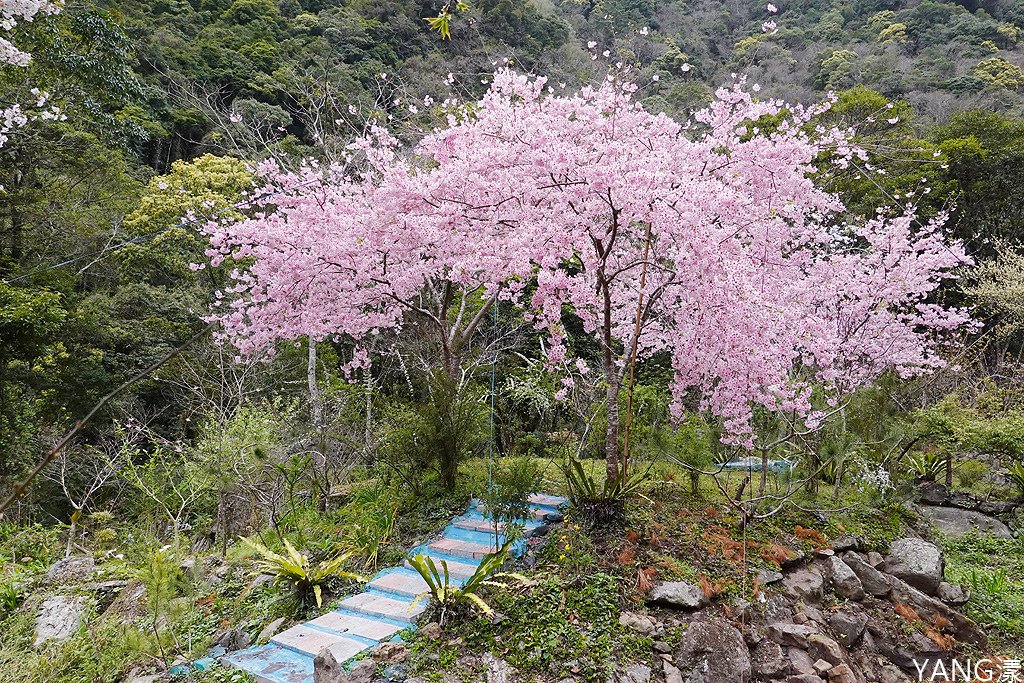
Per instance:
{"type": "Point", "coordinates": [917, 562]}
{"type": "Point", "coordinates": [956, 522]}
{"type": "Point", "coordinates": [678, 594]}
{"type": "Point", "coordinates": [804, 584]}
{"type": "Point", "coordinates": [872, 580]}
{"type": "Point", "coordinates": [928, 608]}
{"type": "Point", "coordinates": [794, 635]}
{"type": "Point", "coordinates": [844, 579]}
{"type": "Point", "coordinates": [58, 618]}
{"type": "Point", "coordinates": [848, 626]}
{"type": "Point", "coordinates": [328, 668]}
{"type": "Point", "coordinates": [712, 651]}
{"type": "Point", "coordinates": [71, 570]}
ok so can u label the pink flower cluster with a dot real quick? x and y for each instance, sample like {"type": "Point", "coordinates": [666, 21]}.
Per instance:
{"type": "Point", "coordinates": [757, 285]}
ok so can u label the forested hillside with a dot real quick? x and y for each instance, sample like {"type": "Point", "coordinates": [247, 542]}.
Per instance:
{"type": "Point", "coordinates": [139, 129]}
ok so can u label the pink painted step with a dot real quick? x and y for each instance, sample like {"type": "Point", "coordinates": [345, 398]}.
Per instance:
{"type": "Point", "coordinates": [373, 604]}
{"type": "Point", "coordinates": [410, 584]}
{"type": "Point", "coordinates": [452, 546]}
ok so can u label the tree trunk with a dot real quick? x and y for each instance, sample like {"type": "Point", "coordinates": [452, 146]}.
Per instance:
{"type": "Point", "coordinates": [611, 443]}
{"type": "Point", "coordinates": [316, 408]}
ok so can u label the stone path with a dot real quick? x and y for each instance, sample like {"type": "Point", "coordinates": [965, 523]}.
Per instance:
{"type": "Point", "coordinates": [384, 608]}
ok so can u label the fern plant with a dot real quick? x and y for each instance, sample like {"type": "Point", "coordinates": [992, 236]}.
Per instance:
{"type": "Point", "coordinates": [447, 596]}
{"type": "Point", "coordinates": [296, 570]}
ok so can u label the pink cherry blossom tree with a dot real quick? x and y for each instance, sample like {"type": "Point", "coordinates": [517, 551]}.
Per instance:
{"type": "Point", "coordinates": [705, 240]}
{"type": "Point", "coordinates": [16, 115]}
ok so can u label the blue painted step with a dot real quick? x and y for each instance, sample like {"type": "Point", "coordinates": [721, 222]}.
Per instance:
{"type": "Point", "coordinates": [387, 606]}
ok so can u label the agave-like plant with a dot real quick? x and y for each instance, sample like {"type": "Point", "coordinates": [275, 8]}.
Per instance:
{"type": "Point", "coordinates": [600, 502]}
{"type": "Point", "coordinates": [1016, 473]}
{"type": "Point", "coordinates": [447, 596]}
{"type": "Point", "coordinates": [295, 569]}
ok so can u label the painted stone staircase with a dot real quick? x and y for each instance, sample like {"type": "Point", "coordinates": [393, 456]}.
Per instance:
{"type": "Point", "coordinates": [385, 607]}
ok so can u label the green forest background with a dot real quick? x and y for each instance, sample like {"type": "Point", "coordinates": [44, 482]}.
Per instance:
{"type": "Point", "coordinates": [168, 101]}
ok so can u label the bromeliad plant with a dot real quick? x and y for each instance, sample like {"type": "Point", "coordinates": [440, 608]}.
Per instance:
{"type": "Point", "coordinates": [447, 597]}
{"type": "Point", "coordinates": [295, 569]}
{"type": "Point", "coordinates": [600, 502]}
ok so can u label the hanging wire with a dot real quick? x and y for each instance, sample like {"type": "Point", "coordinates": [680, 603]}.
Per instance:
{"type": "Point", "coordinates": [494, 361]}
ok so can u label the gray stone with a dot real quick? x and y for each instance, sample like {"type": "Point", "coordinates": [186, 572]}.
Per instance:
{"type": "Point", "coordinates": [800, 661]}
{"type": "Point", "coordinates": [641, 623]}
{"type": "Point", "coordinates": [58, 618]}
{"type": "Point", "coordinates": [848, 626]}
{"type": "Point", "coordinates": [270, 630]}
{"type": "Point", "coordinates": [952, 594]}
{"type": "Point", "coordinates": [633, 673]}
{"type": "Point", "coordinates": [927, 607]}
{"type": "Point", "coordinates": [871, 580]}
{"type": "Point", "coordinates": [678, 594]}
{"type": "Point", "coordinates": [396, 673]}
{"type": "Point", "coordinates": [778, 608]}
{"type": "Point", "coordinates": [844, 543]}
{"type": "Point", "coordinates": [874, 559]}
{"type": "Point", "coordinates": [713, 651]}
{"type": "Point", "coordinates": [956, 522]}
{"type": "Point", "coordinates": [768, 660]}
{"type": "Point", "coordinates": [790, 634]}
{"type": "Point", "coordinates": [844, 579]}
{"type": "Point", "coordinates": [767, 576]}
{"type": "Point", "coordinates": [71, 570]}
{"type": "Point", "coordinates": [498, 671]}
{"type": "Point", "coordinates": [235, 639]}
{"type": "Point", "coordinates": [822, 647]}
{"type": "Point", "coordinates": [841, 674]}
{"type": "Point", "coordinates": [917, 562]}
{"type": "Point", "coordinates": [804, 584]}
{"type": "Point", "coordinates": [821, 667]}
{"type": "Point", "coordinates": [554, 517]}
{"type": "Point", "coordinates": [672, 674]}
{"type": "Point", "coordinates": [933, 493]}
{"type": "Point", "coordinates": [804, 678]}
{"type": "Point", "coordinates": [661, 647]}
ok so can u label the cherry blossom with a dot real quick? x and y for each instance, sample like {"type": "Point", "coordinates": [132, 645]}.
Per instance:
{"type": "Point", "coordinates": [757, 287]}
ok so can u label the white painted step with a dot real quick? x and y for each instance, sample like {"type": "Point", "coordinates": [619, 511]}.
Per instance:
{"type": "Point", "coordinates": [365, 627]}
{"type": "Point", "coordinates": [311, 641]}
{"type": "Point", "coordinates": [375, 604]}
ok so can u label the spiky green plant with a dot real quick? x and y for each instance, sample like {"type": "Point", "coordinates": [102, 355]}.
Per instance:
{"type": "Point", "coordinates": [296, 570]}
{"type": "Point", "coordinates": [928, 466]}
{"type": "Point", "coordinates": [447, 596]}
{"type": "Point", "coordinates": [600, 502]}
{"type": "Point", "coordinates": [1016, 474]}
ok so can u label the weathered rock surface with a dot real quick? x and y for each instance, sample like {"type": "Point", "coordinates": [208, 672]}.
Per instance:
{"type": "Point", "coordinates": [328, 669]}
{"type": "Point", "coordinates": [872, 580]}
{"type": "Point", "coordinates": [917, 562]}
{"type": "Point", "coordinates": [962, 628]}
{"type": "Point", "coordinates": [952, 594]}
{"type": "Point", "coordinates": [713, 650]}
{"type": "Point", "coordinates": [633, 673]}
{"type": "Point", "coordinates": [844, 579]}
{"type": "Point", "coordinates": [641, 623]}
{"type": "Point", "coordinates": [71, 570]}
{"type": "Point", "coordinates": [58, 618]}
{"type": "Point", "coordinates": [804, 584]}
{"type": "Point", "coordinates": [848, 626]}
{"type": "Point", "coordinates": [794, 635]}
{"type": "Point", "coordinates": [768, 660]}
{"type": "Point", "coordinates": [270, 630]}
{"type": "Point", "coordinates": [678, 594]}
{"type": "Point", "coordinates": [956, 522]}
